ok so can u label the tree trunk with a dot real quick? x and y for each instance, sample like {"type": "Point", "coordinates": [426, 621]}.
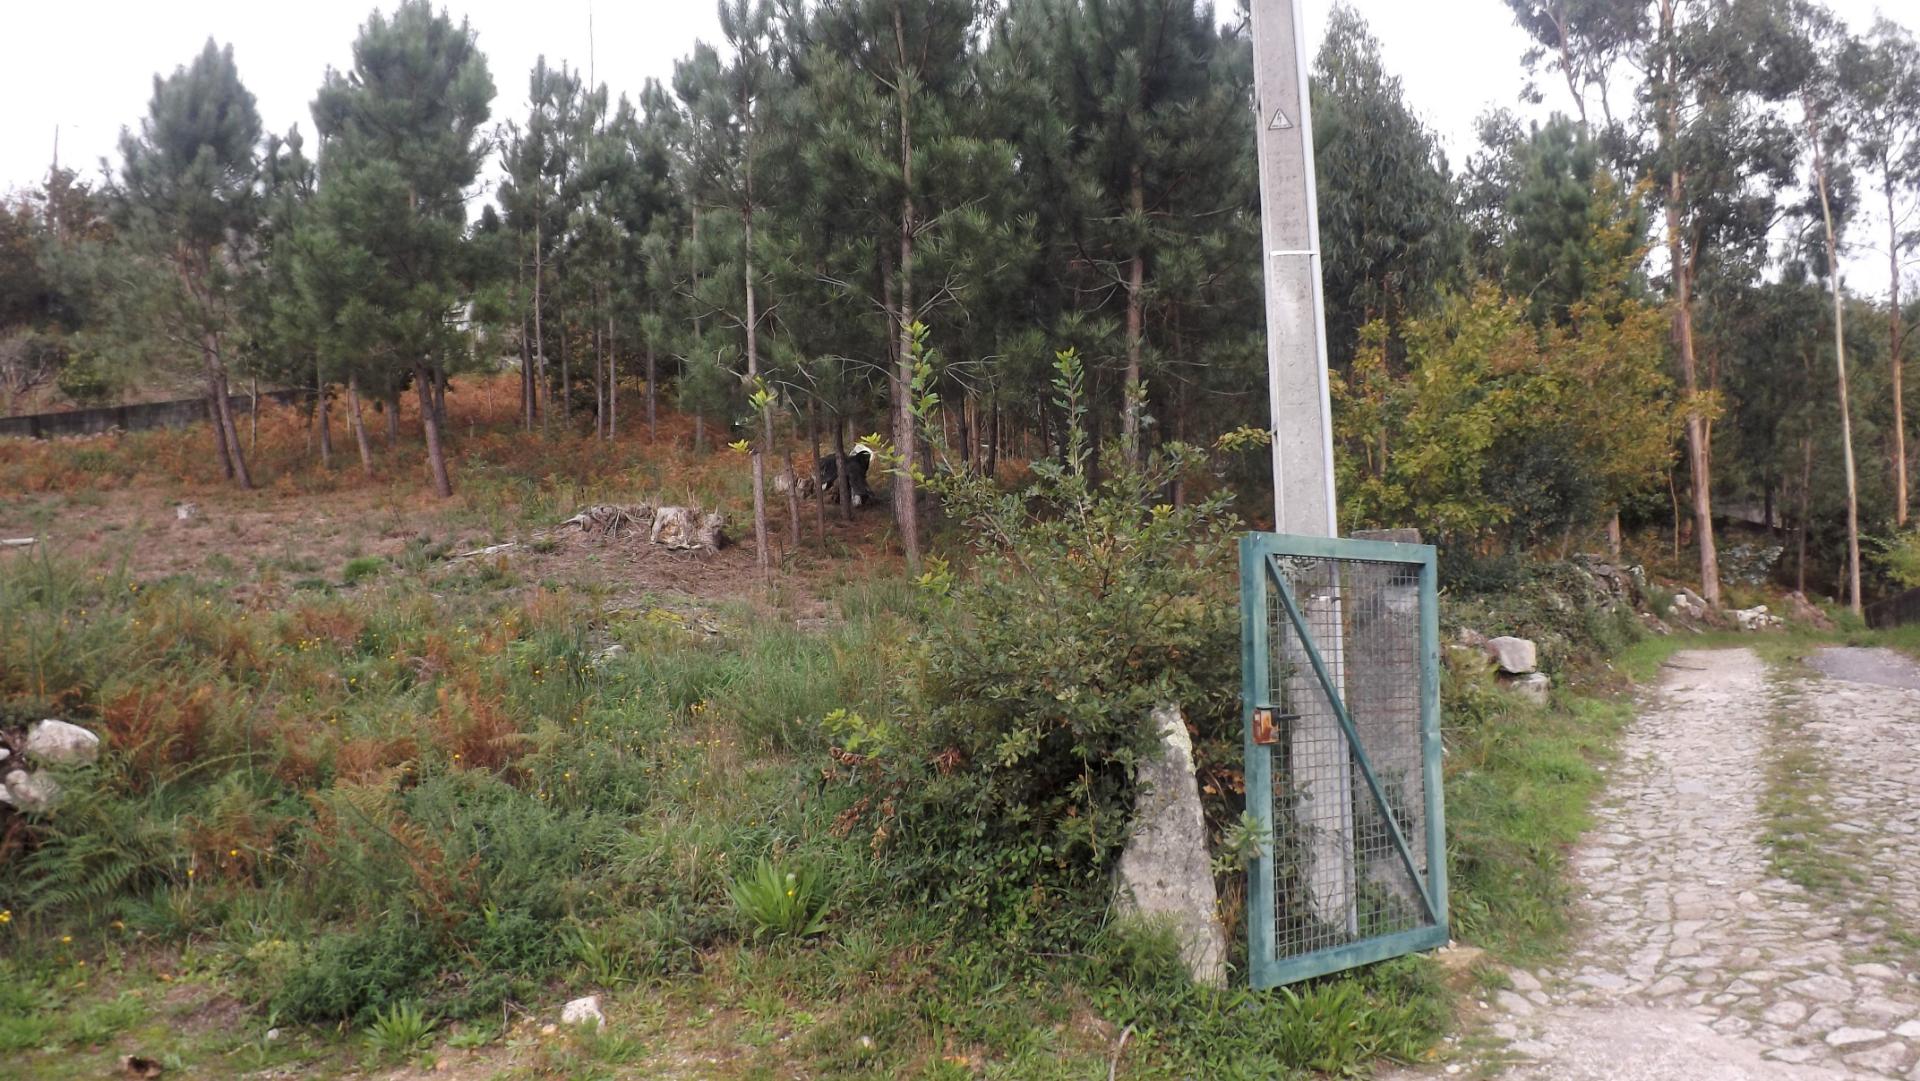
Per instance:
{"type": "Point", "coordinates": [321, 422]}
{"type": "Point", "coordinates": [1132, 392]}
{"type": "Point", "coordinates": [599, 387]}
{"type": "Point", "coordinates": [1613, 536]}
{"type": "Point", "coordinates": [526, 379]}
{"type": "Point", "coordinates": [613, 381]}
{"type": "Point", "coordinates": [223, 412]}
{"type": "Point", "coordinates": [440, 396]}
{"type": "Point", "coordinates": [1894, 346]}
{"type": "Point", "coordinates": [813, 473]}
{"type": "Point", "coordinates": [1806, 495]}
{"type": "Point", "coordinates": [393, 417]}
{"type": "Point", "coordinates": [545, 396]}
{"type": "Point", "coordinates": [358, 424]}
{"type": "Point", "coordinates": [436, 458]}
{"type": "Point", "coordinates": [1699, 436]}
{"type": "Point", "coordinates": [905, 497]}
{"type": "Point", "coordinates": [653, 397]}
{"type": "Point", "coordinates": [793, 505]}
{"type": "Point", "coordinates": [763, 545]}
{"type": "Point", "coordinates": [220, 450]}
{"type": "Point", "coordinates": [1840, 368]}
{"type": "Point", "coordinates": [841, 483]}
{"type": "Point", "coordinates": [993, 434]}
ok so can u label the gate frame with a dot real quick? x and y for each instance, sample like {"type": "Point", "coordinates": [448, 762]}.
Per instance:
{"type": "Point", "coordinates": [1257, 575]}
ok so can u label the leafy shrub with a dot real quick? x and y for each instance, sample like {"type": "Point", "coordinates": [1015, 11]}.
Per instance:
{"type": "Point", "coordinates": [781, 902]}
{"type": "Point", "coordinates": [1090, 602]}
{"type": "Point", "coordinates": [400, 1030]}
{"type": "Point", "coordinates": [361, 569]}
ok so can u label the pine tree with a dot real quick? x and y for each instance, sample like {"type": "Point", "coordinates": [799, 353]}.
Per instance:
{"type": "Point", "coordinates": [188, 209]}
{"type": "Point", "coordinates": [895, 98]}
{"type": "Point", "coordinates": [400, 146]}
{"type": "Point", "coordinates": [1135, 140]}
{"type": "Point", "coordinates": [1390, 235]}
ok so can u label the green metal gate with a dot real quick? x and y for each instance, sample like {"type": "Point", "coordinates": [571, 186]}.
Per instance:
{"type": "Point", "coordinates": [1341, 690]}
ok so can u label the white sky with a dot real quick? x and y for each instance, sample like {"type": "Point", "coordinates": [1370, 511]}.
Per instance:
{"type": "Point", "coordinates": [88, 65]}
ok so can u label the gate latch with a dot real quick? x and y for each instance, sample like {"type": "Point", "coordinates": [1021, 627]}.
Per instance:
{"type": "Point", "coordinates": [1267, 722]}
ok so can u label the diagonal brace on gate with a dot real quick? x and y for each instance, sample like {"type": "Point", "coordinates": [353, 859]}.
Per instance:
{"type": "Point", "coordinates": [1351, 734]}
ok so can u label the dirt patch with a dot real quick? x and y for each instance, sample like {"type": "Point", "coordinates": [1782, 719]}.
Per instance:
{"type": "Point", "coordinates": [268, 544]}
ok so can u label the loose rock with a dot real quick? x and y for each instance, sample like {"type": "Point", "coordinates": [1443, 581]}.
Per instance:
{"type": "Point", "coordinates": [35, 792]}
{"type": "Point", "coordinates": [58, 743]}
{"type": "Point", "coordinates": [1535, 687]}
{"type": "Point", "coordinates": [1757, 618]}
{"type": "Point", "coordinates": [1514, 656]}
{"type": "Point", "coordinates": [583, 1011]}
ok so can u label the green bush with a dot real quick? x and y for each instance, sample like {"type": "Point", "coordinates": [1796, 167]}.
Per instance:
{"type": "Point", "coordinates": [1088, 604]}
{"type": "Point", "coordinates": [781, 901]}
{"type": "Point", "coordinates": [400, 1030]}
{"type": "Point", "coordinates": [361, 569]}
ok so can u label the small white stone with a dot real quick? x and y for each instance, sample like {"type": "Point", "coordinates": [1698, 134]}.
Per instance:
{"type": "Point", "coordinates": [1786, 1014]}
{"type": "Point", "coordinates": [1513, 1003]}
{"type": "Point", "coordinates": [1522, 980]}
{"type": "Point", "coordinates": [583, 1011]}
{"type": "Point", "coordinates": [1853, 1037]}
{"type": "Point", "coordinates": [36, 792]}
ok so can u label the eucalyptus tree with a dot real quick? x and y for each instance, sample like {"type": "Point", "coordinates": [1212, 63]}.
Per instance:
{"type": "Point", "coordinates": [1823, 116]}
{"type": "Point", "coordinates": [188, 210]}
{"type": "Point", "coordinates": [1880, 80]}
{"type": "Point", "coordinates": [400, 147]}
{"type": "Point", "coordinates": [1705, 77]}
{"type": "Point", "coordinates": [1583, 40]}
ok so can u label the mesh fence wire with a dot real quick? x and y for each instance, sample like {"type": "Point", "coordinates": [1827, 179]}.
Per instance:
{"type": "Point", "coordinates": [1338, 875]}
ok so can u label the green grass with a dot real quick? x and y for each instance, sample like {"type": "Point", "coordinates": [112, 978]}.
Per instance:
{"type": "Point", "coordinates": [381, 818]}
{"type": "Point", "coordinates": [432, 793]}
{"type": "Point", "coordinates": [1520, 780]}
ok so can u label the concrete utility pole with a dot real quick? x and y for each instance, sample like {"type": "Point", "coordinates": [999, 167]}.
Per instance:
{"type": "Point", "coordinates": [1296, 311]}
{"type": "Point", "coordinates": [1319, 761]}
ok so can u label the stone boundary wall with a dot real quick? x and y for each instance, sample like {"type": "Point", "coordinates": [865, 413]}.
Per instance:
{"type": "Point", "coordinates": [128, 418]}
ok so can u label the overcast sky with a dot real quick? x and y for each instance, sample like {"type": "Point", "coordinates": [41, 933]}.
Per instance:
{"type": "Point", "coordinates": [87, 66]}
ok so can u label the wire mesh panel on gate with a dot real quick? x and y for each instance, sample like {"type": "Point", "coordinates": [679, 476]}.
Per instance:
{"type": "Point", "coordinates": [1342, 697]}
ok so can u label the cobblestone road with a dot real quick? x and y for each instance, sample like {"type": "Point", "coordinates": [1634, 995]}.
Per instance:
{"type": "Point", "coordinates": [1697, 960]}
